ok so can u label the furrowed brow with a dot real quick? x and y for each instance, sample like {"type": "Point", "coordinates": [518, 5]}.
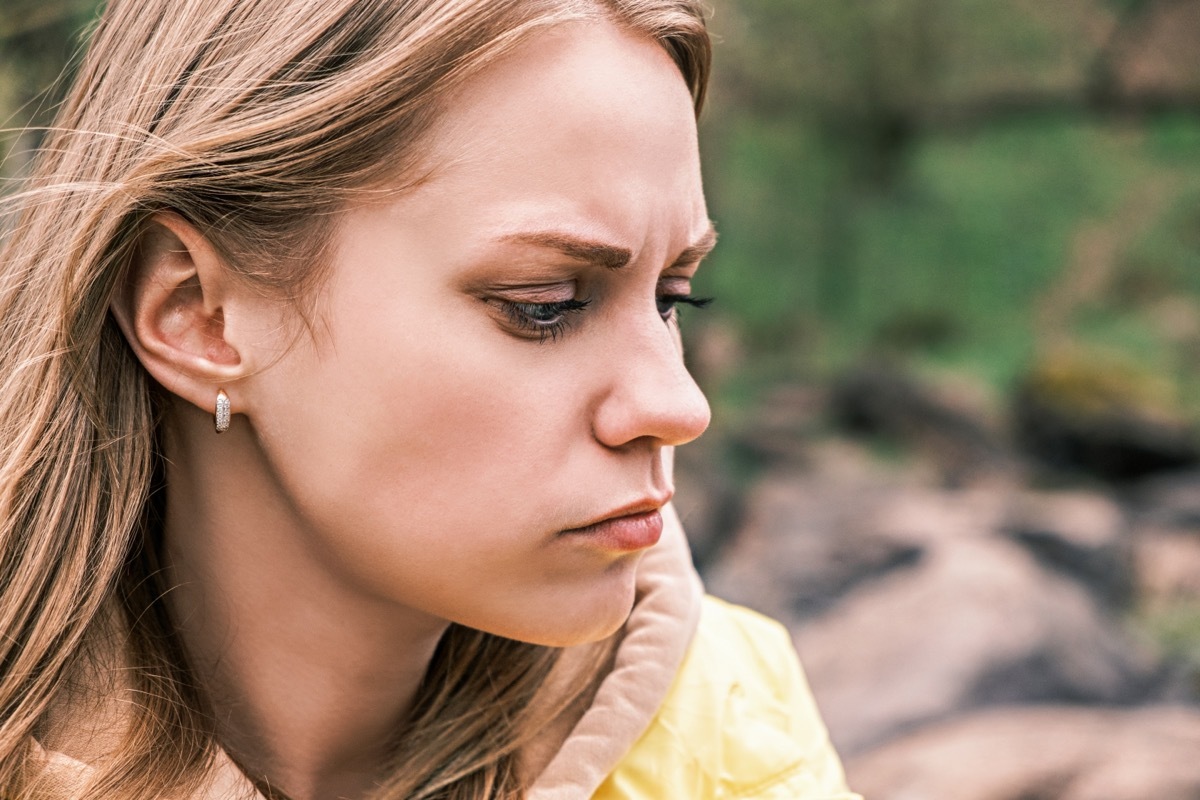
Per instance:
{"type": "Point", "coordinates": [695, 253]}
{"type": "Point", "coordinates": [577, 248]}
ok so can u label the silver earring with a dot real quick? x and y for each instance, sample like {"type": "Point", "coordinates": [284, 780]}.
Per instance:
{"type": "Point", "coordinates": [222, 416]}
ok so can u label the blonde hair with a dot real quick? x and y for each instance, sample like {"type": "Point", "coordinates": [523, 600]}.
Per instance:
{"type": "Point", "coordinates": [256, 120]}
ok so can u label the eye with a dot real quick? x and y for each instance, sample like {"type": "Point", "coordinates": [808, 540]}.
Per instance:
{"type": "Point", "coordinates": [668, 302]}
{"type": "Point", "coordinates": [541, 320]}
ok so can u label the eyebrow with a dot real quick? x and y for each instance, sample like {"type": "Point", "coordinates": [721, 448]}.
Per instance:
{"type": "Point", "coordinates": [695, 253]}
{"type": "Point", "coordinates": [575, 247]}
{"type": "Point", "coordinates": [607, 255]}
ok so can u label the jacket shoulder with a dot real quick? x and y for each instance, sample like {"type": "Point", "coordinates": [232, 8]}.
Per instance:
{"type": "Point", "coordinates": [738, 722]}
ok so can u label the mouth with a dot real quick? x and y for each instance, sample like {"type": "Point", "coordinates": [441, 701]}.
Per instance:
{"type": "Point", "coordinates": [637, 526]}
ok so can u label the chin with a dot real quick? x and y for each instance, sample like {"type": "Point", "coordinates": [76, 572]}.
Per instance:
{"type": "Point", "coordinates": [581, 616]}
{"type": "Point", "coordinates": [593, 630]}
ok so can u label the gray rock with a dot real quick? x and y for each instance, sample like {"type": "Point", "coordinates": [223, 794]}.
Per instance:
{"type": "Point", "coordinates": [1170, 501]}
{"type": "Point", "coordinates": [781, 430]}
{"type": "Point", "coordinates": [1082, 535]}
{"type": "Point", "coordinates": [805, 544]}
{"type": "Point", "coordinates": [1167, 567]}
{"type": "Point", "coordinates": [1040, 753]}
{"type": "Point", "coordinates": [976, 622]}
{"type": "Point", "coordinates": [935, 516]}
{"type": "Point", "coordinates": [1075, 413]}
{"type": "Point", "coordinates": [708, 500]}
{"type": "Point", "coordinates": [881, 399]}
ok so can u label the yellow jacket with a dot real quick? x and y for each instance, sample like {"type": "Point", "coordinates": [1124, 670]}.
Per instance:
{"type": "Point", "coordinates": [738, 722]}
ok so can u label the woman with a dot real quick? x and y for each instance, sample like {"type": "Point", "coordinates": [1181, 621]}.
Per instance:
{"type": "Point", "coordinates": [420, 263]}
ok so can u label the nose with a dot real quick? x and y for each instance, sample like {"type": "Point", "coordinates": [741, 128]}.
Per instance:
{"type": "Point", "coordinates": [650, 396]}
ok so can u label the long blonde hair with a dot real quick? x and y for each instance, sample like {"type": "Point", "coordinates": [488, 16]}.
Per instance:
{"type": "Point", "coordinates": [256, 120]}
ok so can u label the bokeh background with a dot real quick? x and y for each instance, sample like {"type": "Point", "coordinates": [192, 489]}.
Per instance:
{"type": "Point", "coordinates": [954, 360]}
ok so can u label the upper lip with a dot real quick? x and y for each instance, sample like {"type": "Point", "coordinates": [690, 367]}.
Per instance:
{"type": "Point", "coordinates": [640, 506]}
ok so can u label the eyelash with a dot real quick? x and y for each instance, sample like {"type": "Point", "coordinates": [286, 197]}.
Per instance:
{"type": "Point", "coordinates": [545, 320]}
{"type": "Point", "coordinates": [676, 299]}
{"type": "Point", "coordinates": [550, 320]}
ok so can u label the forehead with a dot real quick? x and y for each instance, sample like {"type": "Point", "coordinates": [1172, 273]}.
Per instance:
{"type": "Point", "coordinates": [583, 121]}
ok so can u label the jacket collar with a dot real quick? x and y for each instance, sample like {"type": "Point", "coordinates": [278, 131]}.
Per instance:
{"type": "Point", "coordinates": [655, 639]}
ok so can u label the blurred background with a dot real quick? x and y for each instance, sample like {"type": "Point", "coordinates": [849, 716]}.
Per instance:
{"type": "Point", "coordinates": [954, 360]}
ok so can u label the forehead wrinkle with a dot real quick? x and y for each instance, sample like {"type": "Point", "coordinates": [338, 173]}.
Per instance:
{"type": "Point", "coordinates": [580, 249]}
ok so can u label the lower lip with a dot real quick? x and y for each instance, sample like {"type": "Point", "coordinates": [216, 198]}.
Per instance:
{"type": "Point", "coordinates": [623, 534]}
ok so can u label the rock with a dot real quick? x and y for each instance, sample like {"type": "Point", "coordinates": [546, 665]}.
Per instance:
{"type": "Point", "coordinates": [933, 516]}
{"type": "Point", "coordinates": [810, 538]}
{"type": "Point", "coordinates": [708, 500]}
{"type": "Point", "coordinates": [1170, 500]}
{"type": "Point", "coordinates": [800, 548]}
{"type": "Point", "coordinates": [878, 399]}
{"type": "Point", "coordinates": [1166, 540]}
{"type": "Point", "coordinates": [1040, 753]}
{"type": "Point", "coordinates": [781, 430]}
{"type": "Point", "coordinates": [977, 621]}
{"type": "Point", "coordinates": [1101, 417]}
{"type": "Point", "coordinates": [1167, 567]}
{"type": "Point", "coordinates": [1078, 534]}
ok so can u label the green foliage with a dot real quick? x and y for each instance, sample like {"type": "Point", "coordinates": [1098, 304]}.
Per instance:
{"type": "Point", "coordinates": [871, 194]}
{"type": "Point", "coordinates": [39, 40]}
{"type": "Point", "coordinates": [978, 231]}
{"type": "Point", "coordinates": [1165, 259]}
{"type": "Point", "coordinates": [1174, 628]}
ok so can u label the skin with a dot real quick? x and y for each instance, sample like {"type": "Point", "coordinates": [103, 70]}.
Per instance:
{"type": "Point", "coordinates": [416, 462]}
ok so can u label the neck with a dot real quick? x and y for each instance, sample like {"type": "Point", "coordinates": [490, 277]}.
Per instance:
{"type": "Point", "coordinates": [310, 679]}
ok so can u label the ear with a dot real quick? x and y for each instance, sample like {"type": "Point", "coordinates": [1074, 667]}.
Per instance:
{"type": "Point", "coordinates": [172, 310]}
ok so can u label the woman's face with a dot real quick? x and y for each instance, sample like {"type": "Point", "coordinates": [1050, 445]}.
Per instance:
{"type": "Point", "coordinates": [497, 359]}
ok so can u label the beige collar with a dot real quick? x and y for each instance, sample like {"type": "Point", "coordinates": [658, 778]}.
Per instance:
{"type": "Point", "coordinates": [577, 748]}
{"type": "Point", "coordinates": [655, 640]}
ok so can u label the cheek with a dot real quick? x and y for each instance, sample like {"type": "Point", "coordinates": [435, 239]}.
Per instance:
{"type": "Point", "coordinates": [440, 463]}
{"type": "Point", "coordinates": [441, 483]}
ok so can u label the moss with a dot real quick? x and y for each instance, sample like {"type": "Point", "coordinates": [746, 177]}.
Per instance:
{"type": "Point", "coordinates": [1095, 384]}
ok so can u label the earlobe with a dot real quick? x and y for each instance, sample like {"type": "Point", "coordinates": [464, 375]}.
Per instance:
{"type": "Point", "coordinates": [172, 310]}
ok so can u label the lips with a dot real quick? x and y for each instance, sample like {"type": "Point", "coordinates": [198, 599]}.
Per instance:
{"type": "Point", "coordinates": [626, 530]}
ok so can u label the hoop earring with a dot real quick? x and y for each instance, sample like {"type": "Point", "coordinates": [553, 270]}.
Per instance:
{"type": "Point", "coordinates": [221, 418]}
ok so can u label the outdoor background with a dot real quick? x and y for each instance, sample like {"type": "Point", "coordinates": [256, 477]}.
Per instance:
{"type": "Point", "coordinates": [955, 364]}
